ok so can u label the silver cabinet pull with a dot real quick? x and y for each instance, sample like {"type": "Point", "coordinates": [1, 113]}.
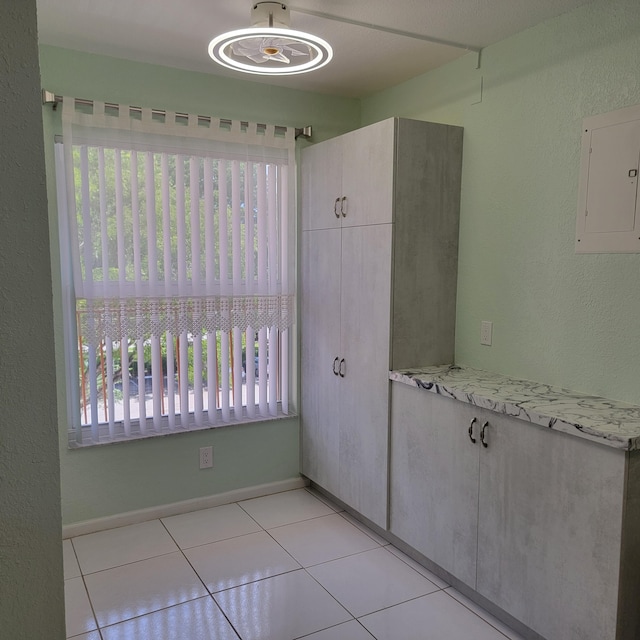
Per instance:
{"type": "Point", "coordinates": [342, 368]}
{"type": "Point", "coordinates": [484, 442]}
{"type": "Point", "coordinates": [335, 362]}
{"type": "Point", "coordinates": [335, 208]}
{"type": "Point", "coordinates": [343, 206]}
{"type": "Point", "coordinates": [473, 421]}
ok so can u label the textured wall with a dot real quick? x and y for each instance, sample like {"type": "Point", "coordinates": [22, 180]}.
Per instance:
{"type": "Point", "coordinates": [103, 481]}
{"type": "Point", "coordinates": [97, 77]}
{"type": "Point", "coordinates": [31, 583]}
{"type": "Point", "coordinates": [560, 318]}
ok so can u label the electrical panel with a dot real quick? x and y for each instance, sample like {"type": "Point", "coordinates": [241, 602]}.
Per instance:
{"type": "Point", "coordinates": [608, 219]}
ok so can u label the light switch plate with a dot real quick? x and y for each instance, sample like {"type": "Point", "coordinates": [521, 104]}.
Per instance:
{"type": "Point", "coordinates": [486, 332]}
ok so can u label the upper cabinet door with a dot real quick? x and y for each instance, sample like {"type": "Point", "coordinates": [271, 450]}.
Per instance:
{"type": "Point", "coordinates": [367, 174]}
{"type": "Point", "coordinates": [321, 177]}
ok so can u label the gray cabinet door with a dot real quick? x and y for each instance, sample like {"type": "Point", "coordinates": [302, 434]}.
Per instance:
{"type": "Point", "coordinates": [434, 478]}
{"type": "Point", "coordinates": [321, 184]}
{"type": "Point", "coordinates": [367, 174]}
{"type": "Point", "coordinates": [364, 389]}
{"type": "Point", "coordinates": [550, 518]}
{"type": "Point", "coordinates": [320, 328]}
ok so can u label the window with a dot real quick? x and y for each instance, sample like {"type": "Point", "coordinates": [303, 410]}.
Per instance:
{"type": "Point", "coordinates": [177, 252]}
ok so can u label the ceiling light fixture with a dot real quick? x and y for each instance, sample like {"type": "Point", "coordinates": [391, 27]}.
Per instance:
{"type": "Point", "coordinates": [270, 47]}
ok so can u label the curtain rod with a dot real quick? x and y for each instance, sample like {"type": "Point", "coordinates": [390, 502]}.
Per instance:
{"type": "Point", "coordinates": [48, 97]}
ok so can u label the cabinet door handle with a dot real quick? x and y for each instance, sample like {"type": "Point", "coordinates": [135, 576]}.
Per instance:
{"type": "Point", "coordinates": [473, 421]}
{"type": "Point", "coordinates": [484, 442]}
{"type": "Point", "coordinates": [342, 368]}
{"type": "Point", "coordinates": [335, 208]}
{"type": "Point", "coordinates": [335, 362]}
{"type": "Point", "coordinates": [343, 206]}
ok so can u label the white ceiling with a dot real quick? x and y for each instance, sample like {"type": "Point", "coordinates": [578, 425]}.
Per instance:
{"type": "Point", "coordinates": [176, 33]}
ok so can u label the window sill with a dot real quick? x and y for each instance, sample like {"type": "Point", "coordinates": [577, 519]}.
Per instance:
{"type": "Point", "coordinates": [165, 431]}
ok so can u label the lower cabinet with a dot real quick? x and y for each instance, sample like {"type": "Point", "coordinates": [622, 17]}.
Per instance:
{"type": "Point", "coordinates": [542, 524]}
{"type": "Point", "coordinates": [434, 479]}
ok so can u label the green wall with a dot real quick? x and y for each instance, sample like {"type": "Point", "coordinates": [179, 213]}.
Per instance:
{"type": "Point", "coordinates": [111, 479]}
{"type": "Point", "coordinates": [559, 318]}
{"type": "Point", "coordinates": [85, 75]}
{"type": "Point", "coordinates": [31, 577]}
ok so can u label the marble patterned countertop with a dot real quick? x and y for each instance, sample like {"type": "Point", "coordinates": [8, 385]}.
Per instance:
{"type": "Point", "coordinates": [608, 422]}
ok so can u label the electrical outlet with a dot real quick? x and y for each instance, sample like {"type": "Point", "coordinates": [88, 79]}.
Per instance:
{"type": "Point", "coordinates": [486, 331]}
{"type": "Point", "coordinates": [206, 457]}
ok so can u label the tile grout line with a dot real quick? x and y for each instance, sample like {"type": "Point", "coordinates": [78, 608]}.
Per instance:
{"type": "Point", "coordinates": [363, 527]}
{"type": "Point", "coordinates": [319, 496]}
{"type": "Point", "coordinates": [75, 555]}
{"type": "Point", "coordinates": [331, 596]}
{"type": "Point", "coordinates": [204, 544]}
{"type": "Point", "coordinates": [333, 626]}
{"type": "Point", "coordinates": [391, 606]}
{"type": "Point", "coordinates": [149, 613]}
{"type": "Point", "coordinates": [379, 546]}
{"type": "Point", "coordinates": [287, 524]}
{"type": "Point", "coordinates": [476, 614]}
{"type": "Point", "coordinates": [209, 594]}
{"type": "Point", "coordinates": [300, 567]}
{"type": "Point", "coordinates": [437, 588]}
{"type": "Point", "coordinates": [272, 538]}
{"type": "Point", "coordinates": [86, 590]}
{"type": "Point", "coordinates": [418, 572]}
{"type": "Point", "coordinates": [303, 568]}
{"type": "Point", "coordinates": [349, 555]}
{"type": "Point", "coordinates": [128, 564]}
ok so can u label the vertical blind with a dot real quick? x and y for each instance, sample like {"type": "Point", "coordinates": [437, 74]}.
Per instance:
{"type": "Point", "coordinates": [177, 242]}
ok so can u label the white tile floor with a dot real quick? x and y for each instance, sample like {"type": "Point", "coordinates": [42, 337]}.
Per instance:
{"type": "Point", "coordinates": [282, 567]}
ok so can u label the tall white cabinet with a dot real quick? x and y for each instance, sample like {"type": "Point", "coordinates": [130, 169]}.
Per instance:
{"type": "Point", "coordinates": [380, 212]}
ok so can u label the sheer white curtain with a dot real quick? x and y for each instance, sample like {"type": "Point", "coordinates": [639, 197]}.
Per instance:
{"type": "Point", "coordinates": [178, 237]}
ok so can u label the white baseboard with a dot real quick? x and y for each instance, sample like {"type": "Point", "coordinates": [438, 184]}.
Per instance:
{"type": "Point", "coordinates": [176, 508]}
